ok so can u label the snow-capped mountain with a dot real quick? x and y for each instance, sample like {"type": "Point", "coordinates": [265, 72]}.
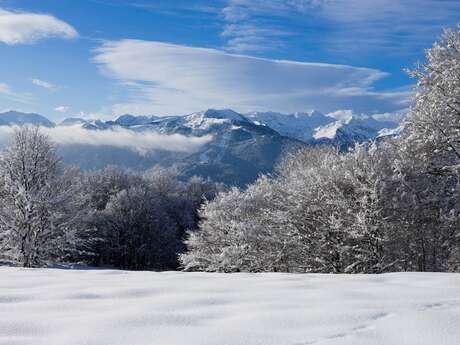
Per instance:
{"type": "Point", "coordinates": [200, 123]}
{"type": "Point", "coordinates": [317, 128]}
{"type": "Point", "coordinates": [391, 132]}
{"type": "Point", "coordinates": [17, 118]}
{"type": "Point", "coordinates": [344, 133]}
{"type": "Point", "coordinates": [239, 150]}
{"type": "Point", "coordinates": [242, 146]}
{"type": "Point", "coordinates": [73, 121]}
{"type": "Point", "coordinates": [301, 126]}
{"type": "Point", "coordinates": [132, 120]}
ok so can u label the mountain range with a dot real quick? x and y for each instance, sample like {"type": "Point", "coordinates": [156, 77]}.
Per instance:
{"type": "Point", "coordinates": [241, 147]}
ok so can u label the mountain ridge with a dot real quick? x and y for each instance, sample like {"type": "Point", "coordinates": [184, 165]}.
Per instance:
{"type": "Point", "coordinates": [12, 117]}
{"type": "Point", "coordinates": [242, 147]}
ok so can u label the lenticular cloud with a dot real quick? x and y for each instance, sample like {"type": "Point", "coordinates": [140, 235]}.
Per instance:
{"type": "Point", "coordinates": [26, 28]}
{"type": "Point", "coordinates": [171, 79]}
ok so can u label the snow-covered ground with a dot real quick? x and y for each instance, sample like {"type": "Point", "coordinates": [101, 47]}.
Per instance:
{"type": "Point", "coordinates": [93, 307]}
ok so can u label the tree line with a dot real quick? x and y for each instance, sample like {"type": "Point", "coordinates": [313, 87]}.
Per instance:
{"type": "Point", "coordinates": [50, 213]}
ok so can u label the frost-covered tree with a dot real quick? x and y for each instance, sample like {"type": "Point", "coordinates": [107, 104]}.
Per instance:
{"type": "Point", "coordinates": [433, 126]}
{"type": "Point", "coordinates": [323, 212]}
{"type": "Point", "coordinates": [334, 202]}
{"type": "Point", "coordinates": [367, 168]}
{"type": "Point", "coordinates": [103, 184]}
{"type": "Point", "coordinates": [308, 179]}
{"type": "Point", "coordinates": [425, 187]}
{"type": "Point", "coordinates": [140, 219]}
{"type": "Point", "coordinates": [422, 209]}
{"type": "Point", "coordinates": [318, 214]}
{"type": "Point", "coordinates": [137, 231]}
{"type": "Point", "coordinates": [242, 231]}
{"type": "Point", "coordinates": [38, 200]}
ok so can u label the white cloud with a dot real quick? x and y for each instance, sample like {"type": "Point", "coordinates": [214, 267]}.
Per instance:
{"type": "Point", "coordinates": [26, 28]}
{"type": "Point", "coordinates": [247, 37]}
{"type": "Point", "coordinates": [141, 142]}
{"type": "Point", "coordinates": [396, 26]}
{"type": "Point", "coordinates": [7, 92]}
{"type": "Point", "coordinates": [342, 26]}
{"type": "Point", "coordinates": [172, 79]}
{"type": "Point", "coordinates": [396, 116]}
{"type": "Point", "coordinates": [345, 115]}
{"type": "Point", "coordinates": [43, 84]}
{"type": "Point", "coordinates": [103, 114]}
{"type": "Point", "coordinates": [5, 89]}
{"type": "Point", "coordinates": [62, 109]}
{"type": "Point", "coordinates": [247, 31]}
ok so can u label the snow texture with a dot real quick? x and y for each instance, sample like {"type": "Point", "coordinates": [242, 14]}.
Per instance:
{"type": "Point", "coordinates": [105, 307]}
{"type": "Point", "coordinates": [329, 131]}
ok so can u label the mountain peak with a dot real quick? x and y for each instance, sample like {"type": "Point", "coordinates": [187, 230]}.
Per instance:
{"type": "Point", "coordinates": [18, 118]}
{"type": "Point", "coordinates": [72, 121]}
{"type": "Point", "coordinates": [227, 114]}
{"type": "Point", "coordinates": [316, 113]}
{"type": "Point", "coordinates": [133, 120]}
{"type": "Point", "coordinates": [300, 125]}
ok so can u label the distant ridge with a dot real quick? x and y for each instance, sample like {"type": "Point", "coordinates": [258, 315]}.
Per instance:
{"type": "Point", "coordinates": [242, 146]}
{"type": "Point", "coordinates": [17, 118]}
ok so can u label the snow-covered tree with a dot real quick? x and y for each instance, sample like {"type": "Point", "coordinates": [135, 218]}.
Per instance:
{"type": "Point", "coordinates": [422, 209]}
{"type": "Point", "coordinates": [425, 188]}
{"type": "Point", "coordinates": [103, 184]}
{"type": "Point", "coordinates": [38, 200]}
{"type": "Point", "coordinates": [325, 212]}
{"type": "Point", "coordinates": [241, 231]}
{"type": "Point", "coordinates": [367, 168]}
{"type": "Point", "coordinates": [140, 219]}
{"type": "Point", "coordinates": [433, 126]}
{"type": "Point", "coordinates": [335, 205]}
{"type": "Point", "coordinates": [138, 232]}
{"type": "Point", "coordinates": [308, 179]}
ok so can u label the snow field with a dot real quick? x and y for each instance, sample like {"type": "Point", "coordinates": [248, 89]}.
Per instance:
{"type": "Point", "coordinates": [108, 307]}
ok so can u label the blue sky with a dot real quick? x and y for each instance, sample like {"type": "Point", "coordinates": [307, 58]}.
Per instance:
{"type": "Point", "coordinates": [102, 58]}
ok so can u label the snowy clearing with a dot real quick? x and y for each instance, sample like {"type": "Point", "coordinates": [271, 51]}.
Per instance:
{"type": "Point", "coordinates": [95, 307]}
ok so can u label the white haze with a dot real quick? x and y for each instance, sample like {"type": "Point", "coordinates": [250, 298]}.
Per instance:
{"type": "Point", "coordinates": [141, 142]}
